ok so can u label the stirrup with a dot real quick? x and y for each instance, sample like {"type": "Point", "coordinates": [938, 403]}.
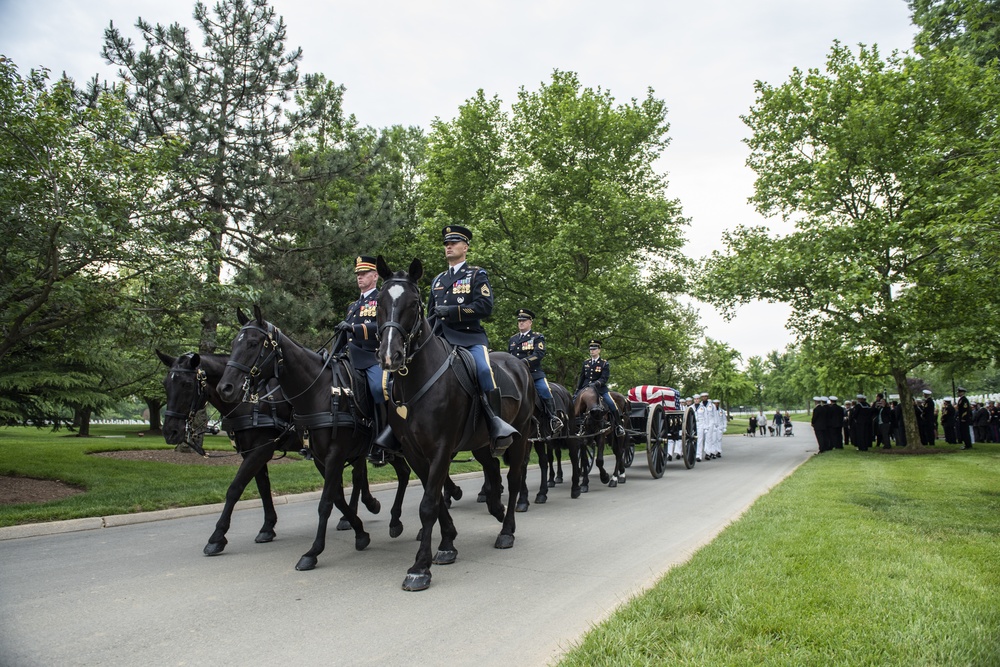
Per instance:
{"type": "Point", "coordinates": [379, 456]}
{"type": "Point", "coordinates": [555, 424]}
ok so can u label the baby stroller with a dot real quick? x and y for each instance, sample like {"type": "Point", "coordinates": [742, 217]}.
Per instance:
{"type": "Point", "coordinates": [788, 427]}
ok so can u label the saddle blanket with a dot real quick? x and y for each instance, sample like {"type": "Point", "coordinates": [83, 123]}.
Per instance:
{"type": "Point", "coordinates": [654, 395]}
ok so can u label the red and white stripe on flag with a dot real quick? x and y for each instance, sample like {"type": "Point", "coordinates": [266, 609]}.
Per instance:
{"type": "Point", "coordinates": [653, 395]}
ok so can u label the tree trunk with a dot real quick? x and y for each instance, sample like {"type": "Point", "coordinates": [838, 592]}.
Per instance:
{"type": "Point", "coordinates": [81, 419]}
{"type": "Point", "coordinates": [909, 415]}
{"type": "Point", "coordinates": [154, 405]}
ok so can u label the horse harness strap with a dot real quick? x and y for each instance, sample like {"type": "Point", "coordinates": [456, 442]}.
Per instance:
{"type": "Point", "coordinates": [200, 398]}
{"type": "Point", "coordinates": [401, 408]}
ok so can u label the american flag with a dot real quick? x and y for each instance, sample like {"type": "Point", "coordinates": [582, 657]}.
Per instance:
{"type": "Point", "coordinates": [653, 395]}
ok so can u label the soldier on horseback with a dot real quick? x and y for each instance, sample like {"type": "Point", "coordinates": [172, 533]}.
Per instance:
{"type": "Point", "coordinates": [460, 298]}
{"type": "Point", "coordinates": [360, 330]}
{"type": "Point", "coordinates": [529, 345]}
{"type": "Point", "coordinates": [596, 372]}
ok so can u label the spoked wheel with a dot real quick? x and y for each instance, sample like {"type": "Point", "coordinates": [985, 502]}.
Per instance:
{"type": "Point", "coordinates": [589, 454]}
{"type": "Point", "coordinates": [629, 454]}
{"type": "Point", "coordinates": [655, 458]}
{"type": "Point", "coordinates": [689, 438]}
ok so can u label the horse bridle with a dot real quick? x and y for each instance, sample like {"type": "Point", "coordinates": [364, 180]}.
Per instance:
{"type": "Point", "coordinates": [409, 336]}
{"type": "Point", "coordinates": [270, 352]}
{"type": "Point", "coordinates": [198, 401]}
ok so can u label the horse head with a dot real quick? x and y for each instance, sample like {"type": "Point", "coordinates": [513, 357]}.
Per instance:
{"type": "Point", "coordinates": [400, 316]}
{"type": "Point", "coordinates": [253, 360]}
{"type": "Point", "coordinates": [590, 410]}
{"type": "Point", "coordinates": [185, 387]}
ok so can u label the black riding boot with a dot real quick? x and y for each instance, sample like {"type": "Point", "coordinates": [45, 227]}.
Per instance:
{"type": "Point", "coordinates": [385, 446]}
{"type": "Point", "coordinates": [502, 434]}
{"type": "Point", "coordinates": [616, 420]}
{"type": "Point", "coordinates": [549, 406]}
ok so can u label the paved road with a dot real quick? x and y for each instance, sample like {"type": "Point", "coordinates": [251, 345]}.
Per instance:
{"type": "Point", "coordinates": [144, 593]}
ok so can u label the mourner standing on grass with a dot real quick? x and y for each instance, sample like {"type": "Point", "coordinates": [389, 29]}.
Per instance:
{"type": "Point", "coordinates": [963, 411]}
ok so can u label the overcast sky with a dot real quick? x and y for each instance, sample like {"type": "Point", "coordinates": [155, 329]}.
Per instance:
{"type": "Point", "coordinates": [409, 61]}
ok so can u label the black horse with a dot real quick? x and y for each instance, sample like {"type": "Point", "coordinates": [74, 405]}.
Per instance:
{"type": "Point", "coordinates": [258, 431]}
{"type": "Point", "coordinates": [322, 390]}
{"type": "Point", "coordinates": [434, 412]}
{"type": "Point", "coordinates": [593, 420]}
{"type": "Point", "coordinates": [547, 443]}
{"type": "Point", "coordinates": [190, 384]}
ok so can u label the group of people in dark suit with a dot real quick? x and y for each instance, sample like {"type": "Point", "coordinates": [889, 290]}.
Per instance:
{"type": "Point", "coordinates": [880, 424]}
{"type": "Point", "coordinates": [827, 422]}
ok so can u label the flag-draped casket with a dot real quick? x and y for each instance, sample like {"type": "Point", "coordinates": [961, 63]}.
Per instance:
{"type": "Point", "coordinates": [654, 395]}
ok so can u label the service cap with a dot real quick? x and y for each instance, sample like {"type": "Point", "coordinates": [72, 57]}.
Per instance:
{"type": "Point", "coordinates": [364, 263]}
{"type": "Point", "coordinates": [453, 233]}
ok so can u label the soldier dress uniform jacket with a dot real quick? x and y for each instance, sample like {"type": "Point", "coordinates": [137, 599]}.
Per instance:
{"type": "Point", "coordinates": [530, 347]}
{"type": "Point", "coordinates": [964, 410]}
{"type": "Point", "coordinates": [595, 371]}
{"type": "Point", "coordinates": [362, 340]}
{"type": "Point", "coordinates": [469, 298]}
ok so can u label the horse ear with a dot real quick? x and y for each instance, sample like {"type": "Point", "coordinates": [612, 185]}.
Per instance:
{"type": "Point", "coordinates": [257, 315]}
{"type": "Point", "coordinates": [167, 360]}
{"type": "Point", "coordinates": [195, 360]}
{"type": "Point", "coordinates": [241, 316]}
{"type": "Point", "coordinates": [384, 271]}
{"type": "Point", "coordinates": [416, 270]}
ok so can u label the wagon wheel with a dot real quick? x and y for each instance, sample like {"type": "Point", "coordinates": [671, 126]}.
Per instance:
{"type": "Point", "coordinates": [689, 437]}
{"type": "Point", "coordinates": [588, 454]}
{"type": "Point", "coordinates": [655, 457]}
{"type": "Point", "coordinates": [629, 454]}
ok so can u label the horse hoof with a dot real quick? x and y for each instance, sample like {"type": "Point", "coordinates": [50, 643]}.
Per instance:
{"type": "Point", "coordinates": [374, 506]}
{"type": "Point", "coordinates": [621, 479]}
{"type": "Point", "coordinates": [575, 493]}
{"type": "Point", "coordinates": [540, 499]}
{"type": "Point", "coordinates": [417, 582]}
{"type": "Point", "coordinates": [215, 548]}
{"type": "Point", "coordinates": [559, 479]}
{"type": "Point", "coordinates": [264, 536]}
{"type": "Point", "coordinates": [584, 489]}
{"type": "Point", "coordinates": [456, 493]}
{"type": "Point", "coordinates": [445, 557]}
{"type": "Point", "coordinates": [395, 529]}
{"type": "Point", "coordinates": [552, 483]}
{"type": "Point", "coordinates": [612, 483]}
{"type": "Point", "coordinates": [605, 477]}
{"type": "Point", "coordinates": [306, 563]}
{"type": "Point", "coordinates": [521, 507]}
{"type": "Point", "coordinates": [481, 498]}
{"type": "Point", "coordinates": [504, 541]}
{"type": "Point", "coordinates": [361, 543]}
{"type": "Point", "coordinates": [343, 524]}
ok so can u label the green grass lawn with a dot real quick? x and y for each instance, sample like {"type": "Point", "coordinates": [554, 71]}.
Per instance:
{"type": "Point", "coordinates": [856, 559]}
{"type": "Point", "coordinates": [120, 487]}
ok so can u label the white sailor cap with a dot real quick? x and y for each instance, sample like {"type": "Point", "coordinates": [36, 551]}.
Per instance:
{"type": "Point", "coordinates": [927, 392]}
{"type": "Point", "coordinates": [833, 399]}
{"type": "Point", "coordinates": [817, 398]}
{"type": "Point", "coordinates": [704, 394]}
{"type": "Point", "coordinates": [860, 397]}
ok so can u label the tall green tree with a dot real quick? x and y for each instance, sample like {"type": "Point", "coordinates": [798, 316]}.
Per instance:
{"type": "Point", "coordinates": [347, 189]}
{"type": "Point", "coordinates": [569, 216]}
{"type": "Point", "coordinates": [887, 169]}
{"type": "Point", "coordinates": [227, 101]}
{"type": "Point", "coordinates": [81, 220]}
{"type": "Point", "coordinates": [971, 27]}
